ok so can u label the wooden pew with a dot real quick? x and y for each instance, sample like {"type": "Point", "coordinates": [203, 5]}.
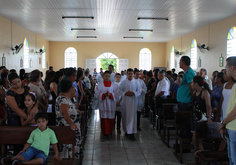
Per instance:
{"type": "Point", "coordinates": [181, 118]}
{"type": "Point", "coordinates": [20, 135]}
{"type": "Point", "coordinates": [159, 111]}
{"type": "Point", "coordinates": [168, 120]}
{"type": "Point", "coordinates": [211, 138]}
{"type": "Point", "coordinates": [83, 124]}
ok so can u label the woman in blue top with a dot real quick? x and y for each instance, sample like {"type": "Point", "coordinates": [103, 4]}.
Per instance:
{"type": "Point", "coordinates": [216, 92]}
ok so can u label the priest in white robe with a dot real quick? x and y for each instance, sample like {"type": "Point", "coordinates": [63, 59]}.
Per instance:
{"type": "Point", "coordinates": [141, 98]}
{"type": "Point", "coordinates": [130, 91]}
{"type": "Point", "coordinates": [107, 94]}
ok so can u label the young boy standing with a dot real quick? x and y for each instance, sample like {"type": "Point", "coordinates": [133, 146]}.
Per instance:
{"type": "Point", "coordinates": [130, 91]}
{"type": "Point", "coordinates": [36, 149]}
{"type": "Point", "coordinates": [118, 110]}
{"type": "Point", "coordinates": [141, 98]}
{"type": "Point", "coordinates": [107, 93]}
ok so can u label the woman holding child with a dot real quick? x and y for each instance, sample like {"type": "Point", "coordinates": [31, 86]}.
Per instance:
{"type": "Point", "coordinates": [15, 106]}
{"type": "Point", "coordinates": [68, 115]}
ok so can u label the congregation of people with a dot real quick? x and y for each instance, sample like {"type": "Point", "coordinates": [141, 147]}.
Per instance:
{"type": "Point", "coordinates": [122, 99]}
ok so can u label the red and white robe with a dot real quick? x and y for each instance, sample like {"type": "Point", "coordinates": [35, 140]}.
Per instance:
{"type": "Point", "coordinates": [107, 105]}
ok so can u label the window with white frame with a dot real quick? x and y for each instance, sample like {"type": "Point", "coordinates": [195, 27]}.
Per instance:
{"type": "Point", "coordinates": [193, 55]}
{"type": "Point", "coordinates": [43, 57]}
{"type": "Point", "coordinates": [70, 57]}
{"type": "Point", "coordinates": [231, 42]}
{"type": "Point", "coordinates": [145, 57]}
{"type": "Point", "coordinates": [26, 53]}
{"type": "Point", "coordinates": [172, 57]}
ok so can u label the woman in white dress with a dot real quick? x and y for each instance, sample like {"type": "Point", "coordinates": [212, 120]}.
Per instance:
{"type": "Point", "coordinates": [226, 92]}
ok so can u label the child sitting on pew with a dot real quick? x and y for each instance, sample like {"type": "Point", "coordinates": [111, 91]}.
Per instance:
{"type": "Point", "coordinates": [30, 101]}
{"type": "Point", "coordinates": [36, 149]}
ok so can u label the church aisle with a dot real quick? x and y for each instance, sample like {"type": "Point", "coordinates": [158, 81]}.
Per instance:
{"type": "Point", "coordinates": [148, 149]}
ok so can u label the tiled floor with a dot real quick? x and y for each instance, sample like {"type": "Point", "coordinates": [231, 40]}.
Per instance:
{"type": "Point", "coordinates": [119, 150]}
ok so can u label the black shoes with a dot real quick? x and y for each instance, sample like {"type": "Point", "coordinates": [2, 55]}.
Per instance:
{"type": "Point", "coordinates": [118, 131]}
{"type": "Point", "coordinates": [131, 137]}
{"type": "Point", "coordinates": [6, 160]}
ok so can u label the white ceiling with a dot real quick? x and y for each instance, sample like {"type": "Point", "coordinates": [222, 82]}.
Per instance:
{"type": "Point", "coordinates": [114, 18]}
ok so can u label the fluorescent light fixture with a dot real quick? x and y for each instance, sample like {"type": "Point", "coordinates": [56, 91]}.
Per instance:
{"type": "Point", "coordinates": [152, 18]}
{"type": "Point", "coordinates": [134, 37]}
{"type": "Point", "coordinates": [91, 17]}
{"type": "Point", "coordinates": [83, 29]}
{"type": "Point", "coordinates": [86, 36]}
{"type": "Point", "coordinates": [147, 30]}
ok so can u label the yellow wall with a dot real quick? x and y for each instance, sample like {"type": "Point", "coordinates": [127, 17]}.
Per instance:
{"type": "Point", "coordinates": [91, 50]}
{"type": "Point", "coordinates": [214, 36]}
{"type": "Point", "coordinates": [18, 36]}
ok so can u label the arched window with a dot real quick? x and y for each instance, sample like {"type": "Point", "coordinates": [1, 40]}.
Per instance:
{"type": "Point", "coordinates": [70, 57]}
{"type": "Point", "coordinates": [107, 55]}
{"type": "Point", "coordinates": [231, 42]}
{"type": "Point", "coordinates": [193, 55]}
{"type": "Point", "coordinates": [106, 59]}
{"type": "Point", "coordinates": [26, 53]}
{"type": "Point", "coordinates": [145, 56]}
{"type": "Point", "coordinates": [43, 57]}
{"type": "Point", "coordinates": [172, 57]}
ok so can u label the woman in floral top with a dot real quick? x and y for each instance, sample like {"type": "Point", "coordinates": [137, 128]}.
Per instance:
{"type": "Point", "coordinates": [68, 115]}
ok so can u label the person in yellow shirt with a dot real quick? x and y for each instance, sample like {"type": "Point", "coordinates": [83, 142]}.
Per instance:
{"type": "Point", "coordinates": [230, 120]}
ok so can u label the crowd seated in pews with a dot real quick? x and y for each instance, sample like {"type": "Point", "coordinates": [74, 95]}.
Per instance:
{"type": "Point", "coordinates": [23, 97]}
{"type": "Point", "coordinates": [192, 98]}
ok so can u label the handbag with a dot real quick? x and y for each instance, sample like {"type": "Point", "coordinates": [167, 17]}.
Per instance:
{"type": "Point", "coordinates": [197, 114]}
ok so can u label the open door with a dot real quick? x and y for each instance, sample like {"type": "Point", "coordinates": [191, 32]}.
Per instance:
{"type": "Point", "coordinates": [123, 64]}
{"type": "Point", "coordinates": [91, 64]}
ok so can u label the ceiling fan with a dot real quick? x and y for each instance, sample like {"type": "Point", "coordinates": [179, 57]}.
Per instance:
{"type": "Point", "coordinates": [202, 48]}
{"type": "Point", "coordinates": [41, 51]}
{"type": "Point", "coordinates": [17, 48]}
{"type": "Point", "coordinates": [178, 52]}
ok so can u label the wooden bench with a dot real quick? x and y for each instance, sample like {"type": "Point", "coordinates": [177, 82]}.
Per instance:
{"type": "Point", "coordinates": [211, 138]}
{"type": "Point", "coordinates": [20, 135]}
{"type": "Point", "coordinates": [159, 111]}
{"type": "Point", "coordinates": [181, 118]}
{"type": "Point", "coordinates": [168, 120]}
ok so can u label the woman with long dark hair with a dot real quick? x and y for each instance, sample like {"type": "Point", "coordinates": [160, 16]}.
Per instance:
{"type": "Point", "coordinates": [217, 91]}
{"type": "Point", "coordinates": [53, 85]}
{"type": "Point", "coordinates": [201, 105]}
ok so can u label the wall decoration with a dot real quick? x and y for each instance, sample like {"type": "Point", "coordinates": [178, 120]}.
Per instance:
{"type": "Point", "coordinates": [221, 61]}
{"type": "Point", "coordinates": [21, 62]}
{"type": "Point", "coordinates": [3, 60]}
{"type": "Point", "coordinates": [31, 63]}
{"type": "Point", "coordinates": [199, 62]}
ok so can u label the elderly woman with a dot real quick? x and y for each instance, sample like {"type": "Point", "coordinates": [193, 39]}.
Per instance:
{"type": "Point", "coordinates": [68, 115]}
{"type": "Point", "coordinates": [37, 87]}
{"type": "Point", "coordinates": [15, 106]}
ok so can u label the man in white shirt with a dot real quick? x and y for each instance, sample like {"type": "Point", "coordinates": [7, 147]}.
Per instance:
{"type": "Point", "coordinates": [203, 74]}
{"type": "Point", "coordinates": [163, 86]}
{"type": "Point", "coordinates": [111, 70]}
{"type": "Point", "coordinates": [130, 91]}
